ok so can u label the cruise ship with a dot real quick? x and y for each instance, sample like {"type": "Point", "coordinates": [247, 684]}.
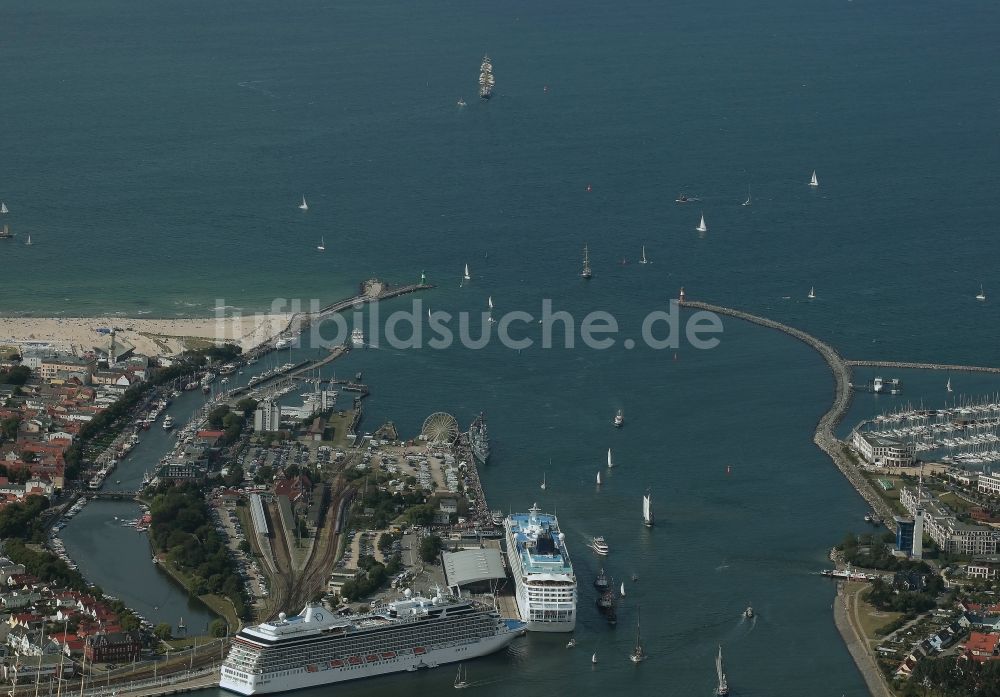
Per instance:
{"type": "Point", "coordinates": [545, 585]}
{"type": "Point", "coordinates": [317, 647]}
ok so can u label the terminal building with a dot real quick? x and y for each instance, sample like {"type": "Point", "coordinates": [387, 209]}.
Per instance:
{"type": "Point", "coordinates": [475, 570]}
{"type": "Point", "coordinates": [883, 452]}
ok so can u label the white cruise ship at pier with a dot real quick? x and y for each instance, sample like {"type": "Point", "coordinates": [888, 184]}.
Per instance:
{"type": "Point", "coordinates": [544, 582]}
{"type": "Point", "coordinates": [317, 647]}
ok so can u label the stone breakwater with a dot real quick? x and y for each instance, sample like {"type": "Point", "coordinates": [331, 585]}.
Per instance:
{"type": "Point", "coordinates": [824, 436]}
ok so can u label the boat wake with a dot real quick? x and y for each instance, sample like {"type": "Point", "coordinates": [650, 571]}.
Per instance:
{"type": "Point", "coordinates": [255, 85]}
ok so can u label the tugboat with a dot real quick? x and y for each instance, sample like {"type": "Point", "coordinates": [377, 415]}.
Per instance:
{"type": "Point", "coordinates": [601, 582]}
{"type": "Point", "coordinates": [748, 613]}
{"type": "Point", "coordinates": [486, 79]}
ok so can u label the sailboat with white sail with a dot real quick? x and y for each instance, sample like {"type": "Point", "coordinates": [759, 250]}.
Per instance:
{"type": "Point", "coordinates": [28, 241]}
{"type": "Point", "coordinates": [722, 690]}
{"type": "Point", "coordinates": [982, 294]}
{"type": "Point", "coordinates": [598, 479]}
{"type": "Point", "coordinates": [542, 487]}
{"type": "Point", "coordinates": [621, 591]}
{"type": "Point", "coordinates": [647, 509]}
{"type": "Point", "coordinates": [303, 206]}
{"type": "Point", "coordinates": [814, 181]}
{"type": "Point", "coordinates": [322, 244]}
{"type": "Point", "coordinates": [3, 208]}
{"type": "Point", "coordinates": [948, 385]}
{"type": "Point", "coordinates": [749, 198]}
{"type": "Point", "coordinates": [586, 272]}
{"type": "Point", "coordinates": [466, 276]}
{"type": "Point", "coordinates": [461, 678]}
{"type": "Point", "coordinates": [489, 303]}
{"type": "Point", "coordinates": [642, 259]}
{"type": "Point", "coordinates": [638, 654]}
{"type": "Point", "coordinates": [812, 293]}
{"type": "Point", "coordinates": [701, 226]}
{"type": "Point", "coordinates": [611, 463]}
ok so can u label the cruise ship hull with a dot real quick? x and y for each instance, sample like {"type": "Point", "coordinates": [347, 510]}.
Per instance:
{"type": "Point", "coordinates": [326, 675]}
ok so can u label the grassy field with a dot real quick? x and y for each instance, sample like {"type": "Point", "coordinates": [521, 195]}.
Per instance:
{"type": "Point", "coordinates": [872, 619]}
{"type": "Point", "coordinates": [340, 423]}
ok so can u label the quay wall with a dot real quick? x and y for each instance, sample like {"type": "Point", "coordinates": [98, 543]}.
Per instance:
{"type": "Point", "coordinates": [824, 437]}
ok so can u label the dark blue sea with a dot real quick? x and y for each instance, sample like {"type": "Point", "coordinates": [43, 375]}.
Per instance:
{"type": "Point", "coordinates": [157, 153]}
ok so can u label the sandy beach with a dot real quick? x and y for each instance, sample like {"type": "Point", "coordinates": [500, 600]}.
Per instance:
{"type": "Point", "coordinates": [150, 337]}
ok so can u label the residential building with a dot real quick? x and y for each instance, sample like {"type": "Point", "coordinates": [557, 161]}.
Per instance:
{"type": "Point", "coordinates": [983, 567]}
{"type": "Point", "coordinates": [982, 646]}
{"type": "Point", "coordinates": [118, 647]}
{"type": "Point", "coordinates": [950, 534]}
{"type": "Point", "coordinates": [54, 364]}
{"type": "Point", "coordinates": [989, 484]}
{"type": "Point", "coordinates": [267, 417]}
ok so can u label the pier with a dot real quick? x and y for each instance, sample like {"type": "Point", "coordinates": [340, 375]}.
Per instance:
{"type": "Point", "coordinates": [923, 366]}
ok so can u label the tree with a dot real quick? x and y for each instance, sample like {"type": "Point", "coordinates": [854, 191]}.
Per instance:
{"type": "Point", "coordinates": [430, 547]}
{"type": "Point", "coordinates": [18, 375]}
{"type": "Point", "coordinates": [163, 631]}
{"type": "Point", "coordinates": [265, 475]}
{"type": "Point", "coordinates": [247, 405]}
{"type": "Point", "coordinates": [8, 427]}
{"type": "Point", "coordinates": [218, 628]}
{"type": "Point", "coordinates": [245, 547]}
{"type": "Point", "coordinates": [385, 541]}
{"type": "Point", "coordinates": [216, 416]}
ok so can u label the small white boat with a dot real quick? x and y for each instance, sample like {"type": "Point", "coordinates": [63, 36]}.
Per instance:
{"type": "Point", "coordinates": [3, 207]}
{"type": "Point", "coordinates": [467, 276]}
{"type": "Point", "coordinates": [642, 259]}
{"type": "Point", "coordinates": [611, 462]}
{"type": "Point", "coordinates": [28, 243]}
{"type": "Point", "coordinates": [571, 643]}
{"type": "Point", "coordinates": [303, 206]}
{"type": "Point", "coordinates": [621, 591]}
{"type": "Point", "coordinates": [489, 302]}
{"type": "Point", "coordinates": [647, 509]}
{"type": "Point", "coordinates": [748, 613]}
{"type": "Point", "coordinates": [619, 419]}
{"type": "Point", "coordinates": [461, 102]}
{"type": "Point", "coordinates": [638, 653]}
{"type": "Point", "coordinates": [748, 201]}
{"type": "Point", "coordinates": [981, 297]}
{"type": "Point", "coordinates": [593, 658]}
{"type": "Point", "coordinates": [812, 293]}
{"type": "Point", "coordinates": [948, 386]}
{"type": "Point", "coordinates": [322, 244]}
{"type": "Point", "coordinates": [598, 479]}
{"type": "Point", "coordinates": [812, 182]}
{"type": "Point", "coordinates": [701, 226]}
{"type": "Point", "coordinates": [542, 487]}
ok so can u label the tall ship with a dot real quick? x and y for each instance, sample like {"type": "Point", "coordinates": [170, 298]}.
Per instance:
{"type": "Point", "coordinates": [479, 439]}
{"type": "Point", "coordinates": [486, 79]}
{"type": "Point", "coordinates": [544, 582]}
{"type": "Point", "coordinates": [317, 647]}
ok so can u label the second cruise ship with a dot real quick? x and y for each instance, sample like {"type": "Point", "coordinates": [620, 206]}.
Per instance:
{"type": "Point", "coordinates": [545, 585]}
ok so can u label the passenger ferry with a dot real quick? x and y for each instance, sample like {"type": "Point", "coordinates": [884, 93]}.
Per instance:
{"type": "Point", "coordinates": [317, 647]}
{"type": "Point", "coordinates": [545, 585]}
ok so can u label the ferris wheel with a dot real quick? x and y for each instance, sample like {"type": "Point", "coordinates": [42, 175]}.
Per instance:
{"type": "Point", "coordinates": [440, 427]}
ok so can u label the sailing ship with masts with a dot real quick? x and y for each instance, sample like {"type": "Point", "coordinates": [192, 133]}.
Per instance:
{"type": "Point", "coordinates": [486, 79]}
{"type": "Point", "coordinates": [647, 509]}
{"type": "Point", "coordinates": [722, 690]}
{"type": "Point", "coordinates": [586, 273]}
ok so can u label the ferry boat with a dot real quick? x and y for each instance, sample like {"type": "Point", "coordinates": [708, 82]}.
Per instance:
{"type": "Point", "coordinates": [168, 423]}
{"type": "Point", "coordinates": [358, 337]}
{"type": "Point", "coordinates": [600, 546]}
{"type": "Point", "coordinates": [479, 439]}
{"type": "Point", "coordinates": [848, 574]}
{"type": "Point", "coordinates": [486, 79]}
{"type": "Point", "coordinates": [544, 581]}
{"type": "Point", "coordinates": [317, 647]}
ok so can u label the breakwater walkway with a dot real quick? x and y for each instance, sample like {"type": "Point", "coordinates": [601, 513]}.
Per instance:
{"type": "Point", "coordinates": [924, 366]}
{"type": "Point", "coordinates": [824, 436]}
